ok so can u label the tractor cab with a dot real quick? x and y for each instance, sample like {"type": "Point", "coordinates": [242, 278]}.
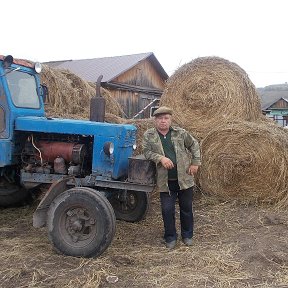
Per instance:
{"type": "Point", "coordinates": [20, 86]}
{"type": "Point", "coordinates": [21, 94]}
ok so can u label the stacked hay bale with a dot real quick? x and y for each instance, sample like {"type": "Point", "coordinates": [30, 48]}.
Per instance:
{"type": "Point", "coordinates": [244, 155]}
{"type": "Point", "coordinates": [69, 95]}
{"type": "Point", "coordinates": [247, 161]}
{"type": "Point", "coordinates": [209, 91]}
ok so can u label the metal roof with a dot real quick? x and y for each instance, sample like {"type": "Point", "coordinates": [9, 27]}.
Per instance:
{"type": "Point", "coordinates": [109, 67]}
{"type": "Point", "coordinates": [268, 98]}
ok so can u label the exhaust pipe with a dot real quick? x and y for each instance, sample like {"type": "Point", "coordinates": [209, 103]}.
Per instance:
{"type": "Point", "coordinates": [97, 104]}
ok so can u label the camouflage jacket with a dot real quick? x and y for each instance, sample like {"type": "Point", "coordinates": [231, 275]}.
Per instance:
{"type": "Point", "coordinates": [187, 153]}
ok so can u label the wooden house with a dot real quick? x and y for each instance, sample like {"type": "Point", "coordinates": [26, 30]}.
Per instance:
{"type": "Point", "coordinates": [136, 81]}
{"type": "Point", "coordinates": [274, 103]}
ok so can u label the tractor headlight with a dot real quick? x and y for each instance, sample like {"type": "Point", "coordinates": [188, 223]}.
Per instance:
{"type": "Point", "coordinates": [38, 67]}
{"type": "Point", "coordinates": [134, 146]}
{"type": "Point", "coordinates": [108, 148]}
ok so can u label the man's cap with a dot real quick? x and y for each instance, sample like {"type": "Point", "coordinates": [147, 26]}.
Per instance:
{"type": "Point", "coordinates": [162, 110]}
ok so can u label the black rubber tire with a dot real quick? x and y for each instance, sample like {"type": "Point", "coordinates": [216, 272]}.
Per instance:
{"type": "Point", "coordinates": [81, 223]}
{"type": "Point", "coordinates": [11, 193]}
{"type": "Point", "coordinates": [133, 209]}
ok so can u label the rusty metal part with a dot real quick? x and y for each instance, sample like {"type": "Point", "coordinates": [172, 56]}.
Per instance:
{"type": "Point", "coordinates": [70, 152]}
{"type": "Point", "coordinates": [20, 62]}
{"type": "Point", "coordinates": [59, 166]}
{"type": "Point", "coordinates": [97, 104]}
{"type": "Point", "coordinates": [79, 224]}
{"type": "Point", "coordinates": [40, 214]}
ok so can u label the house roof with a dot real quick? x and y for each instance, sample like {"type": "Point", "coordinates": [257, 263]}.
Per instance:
{"type": "Point", "coordinates": [269, 97]}
{"type": "Point", "coordinates": [109, 67]}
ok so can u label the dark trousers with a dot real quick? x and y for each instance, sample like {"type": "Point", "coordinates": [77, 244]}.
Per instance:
{"type": "Point", "coordinates": [168, 203]}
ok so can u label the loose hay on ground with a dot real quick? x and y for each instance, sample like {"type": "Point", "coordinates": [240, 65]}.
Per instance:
{"type": "Point", "coordinates": [232, 247]}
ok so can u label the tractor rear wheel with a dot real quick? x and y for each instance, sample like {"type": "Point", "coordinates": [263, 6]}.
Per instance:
{"type": "Point", "coordinates": [81, 222]}
{"type": "Point", "coordinates": [130, 206]}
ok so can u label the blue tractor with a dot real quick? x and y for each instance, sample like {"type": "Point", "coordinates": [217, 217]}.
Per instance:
{"type": "Point", "coordinates": [87, 167]}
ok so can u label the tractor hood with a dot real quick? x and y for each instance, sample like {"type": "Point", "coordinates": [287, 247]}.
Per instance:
{"type": "Point", "coordinates": [68, 126]}
{"type": "Point", "coordinates": [122, 136]}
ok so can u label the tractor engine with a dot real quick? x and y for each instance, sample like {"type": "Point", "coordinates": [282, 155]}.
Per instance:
{"type": "Point", "coordinates": [57, 157]}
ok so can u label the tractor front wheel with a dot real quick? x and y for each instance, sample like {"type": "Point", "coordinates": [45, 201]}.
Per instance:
{"type": "Point", "coordinates": [81, 223]}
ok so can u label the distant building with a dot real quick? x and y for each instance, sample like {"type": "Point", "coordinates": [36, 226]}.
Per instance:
{"type": "Point", "coordinates": [274, 103]}
{"type": "Point", "coordinates": [136, 81]}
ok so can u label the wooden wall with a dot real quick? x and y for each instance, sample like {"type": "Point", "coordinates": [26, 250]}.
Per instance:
{"type": "Point", "coordinates": [143, 75]}
{"type": "Point", "coordinates": [280, 104]}
{"type": "Point", "coordinates": [133, 102]}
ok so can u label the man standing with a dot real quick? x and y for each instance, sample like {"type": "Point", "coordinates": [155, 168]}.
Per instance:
{"type": "Point", "coordinates": [177, 157]}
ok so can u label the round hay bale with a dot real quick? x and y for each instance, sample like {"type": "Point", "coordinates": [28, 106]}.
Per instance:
{"type": "Point", "coordinates": [209, 91]}
{"type": "Point", "coordinates": [245, 161]}
{"type": "Point", "coordinates": [69, 95]}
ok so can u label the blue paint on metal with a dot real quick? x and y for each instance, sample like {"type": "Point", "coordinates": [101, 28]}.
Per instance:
{"type": "Point", "coordinates": [11, 112]}
{"type": "Point", "coordinates": [68, 126]}
{"type": "Point", "coordinates": [33, 120]}
{"type": "Point", "coordinates": [123, 136]}
{"type": "Point", "coordinates": [6, 149]}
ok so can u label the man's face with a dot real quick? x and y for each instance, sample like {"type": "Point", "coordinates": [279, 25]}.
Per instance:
{"type": "Point", "coordinates": [163, 122]}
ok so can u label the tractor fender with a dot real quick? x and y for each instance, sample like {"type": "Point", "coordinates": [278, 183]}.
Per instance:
{"type": "Point", "coordinates": [40, 214]}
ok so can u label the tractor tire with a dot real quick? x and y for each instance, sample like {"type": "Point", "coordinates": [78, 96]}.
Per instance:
{"type": "Point", "coordinates": [11, 194]}
{"type": "Point", "coordinates": [81, 223]}
{"type": "Point", "coordinates": [132, 207]}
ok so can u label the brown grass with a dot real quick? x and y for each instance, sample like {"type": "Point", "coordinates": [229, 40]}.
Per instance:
{"type": "Point", "coordinates": [234, 246]}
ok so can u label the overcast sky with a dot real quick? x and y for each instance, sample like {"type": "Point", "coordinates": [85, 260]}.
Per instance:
{"type": "Point", "coordinates": [251, 33]}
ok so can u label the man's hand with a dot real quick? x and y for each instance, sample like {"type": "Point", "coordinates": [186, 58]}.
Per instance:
{"type": "Point", "coordinates": [192, 170]}
{"type": "Point", "coordinates": [167, 163]}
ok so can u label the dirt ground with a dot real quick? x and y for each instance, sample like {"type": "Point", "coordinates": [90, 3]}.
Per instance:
{"type": "Point", "coordinates": [234, 246]}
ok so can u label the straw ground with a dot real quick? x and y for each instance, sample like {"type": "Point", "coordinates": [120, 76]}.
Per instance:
{"type": "Point", "coordinates": [234, 246]}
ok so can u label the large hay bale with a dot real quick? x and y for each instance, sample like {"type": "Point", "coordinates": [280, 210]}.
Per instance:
{"type": "Point", "coordinates": [209, 91]}
{"type": "Point", "coordinates": [69, 95]}
{"type": "Point", "coordinates": [245, 161]}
